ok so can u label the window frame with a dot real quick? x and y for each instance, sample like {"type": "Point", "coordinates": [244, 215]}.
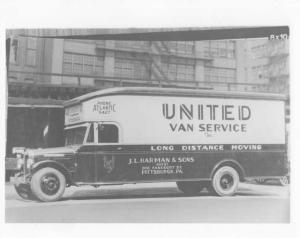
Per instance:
{"type": "Point", "coordinates": [177, 68]}
{"type": "Point", "coordinates": [87, 125]}
{"type": "Point", "coordinates": [95, 125]}
{"type": "Point", "coordinates": [88, 133]}
{"type": "Point", "coordinates": [129, 66]}
{"type": "Point", "coordinates": [97, 66]}
{"type": "Point", "coordinates": [219, 74]}
{"type": "Point", "coordinates": [14, 51]}
{"type": "Point", "coordinates": [107, 123]}
{"type": "Point", "coordinates": [31, 49]}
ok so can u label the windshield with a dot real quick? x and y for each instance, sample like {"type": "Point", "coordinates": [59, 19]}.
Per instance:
{"type": "Point", "coordinates": [75, 136]}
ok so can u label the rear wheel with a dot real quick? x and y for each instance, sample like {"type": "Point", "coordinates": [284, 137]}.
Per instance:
{"type": "Point", "coordinates": [48, 184]}
{"type": "Point", "coordinates": [225, 181]}
{"type": "Point", "coordinates": [190, 187]}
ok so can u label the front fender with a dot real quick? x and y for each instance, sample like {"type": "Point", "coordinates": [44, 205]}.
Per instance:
{"type": "Point", "coordinates": [53, 164]}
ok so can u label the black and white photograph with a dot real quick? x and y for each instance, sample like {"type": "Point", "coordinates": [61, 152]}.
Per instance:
{"type": "Point", "coordinates": [148, 125]}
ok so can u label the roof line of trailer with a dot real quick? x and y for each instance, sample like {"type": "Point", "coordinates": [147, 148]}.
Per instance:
{"type": "Point", "coordinates": [153, 91]}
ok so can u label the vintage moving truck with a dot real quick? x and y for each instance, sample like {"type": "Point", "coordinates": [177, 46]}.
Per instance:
{"type": "Point", "coordinates": [196, 138]}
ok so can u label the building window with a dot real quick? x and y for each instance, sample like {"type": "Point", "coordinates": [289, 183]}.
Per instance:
{"type": "Point", "coordinates": [99, 65]}
{"type": "Point", "coordinates": [78, 63]}
{"type": "Point", "coordinates": [83, 64]}
{"type": "Point", "coordinates": [14, 47]}
{"type": "Point", "coordinates": [214, 74]}
{"type": "Point", "coordinates": [131, 65]}
{"type": "Point", "coordinates": [31, 49]}
{"type": "Point", "coordinates": [179, 69]}
{"type": "Point", "coordinates": [88, 64]}
{"type": "Point", "coordinates": [219, 49]}
{"type": "Point", "coordinates": [178, 47]}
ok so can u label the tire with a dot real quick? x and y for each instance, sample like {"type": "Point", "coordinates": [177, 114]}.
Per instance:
{"type": "Point", "coordinates": [190, 187]}
{"type": "Point", "coordinates": [283, 181]}
{"type": "Point", "coordinates": [24, 191]}
{"type": "Point", "coordinates": [48, 184]}
{"type": "Point", "coordinates": [225, 181]}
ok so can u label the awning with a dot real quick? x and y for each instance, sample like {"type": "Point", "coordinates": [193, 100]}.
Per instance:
{"type": "Point", "coordinates": [34, 102]}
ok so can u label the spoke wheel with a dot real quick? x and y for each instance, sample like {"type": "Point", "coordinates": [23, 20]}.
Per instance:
{"type": "Point", "coordinates": [48, 184]}
{"type": "Point", "coordinates": [226, 181]}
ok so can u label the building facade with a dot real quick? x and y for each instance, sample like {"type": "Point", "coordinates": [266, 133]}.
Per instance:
{"type": "Point", "coordinates": [269, 64]}
{"type": "Point", "coordinates": [106, 63]}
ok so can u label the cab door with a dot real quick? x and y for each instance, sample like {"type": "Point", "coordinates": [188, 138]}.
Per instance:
{"type": "Point", "coordinates": [96, 158]}
{"type": "Point", "coordinates": [85, 159]}
{"type": "Point", "coordinates": [108, 138]}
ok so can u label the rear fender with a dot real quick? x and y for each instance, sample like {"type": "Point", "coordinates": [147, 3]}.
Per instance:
{"type": "Point", "coordinates": [232, 163]}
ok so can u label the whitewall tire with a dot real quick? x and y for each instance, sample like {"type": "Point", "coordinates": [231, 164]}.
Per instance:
{"type": "Point", "coordinates": [225, 181]}
{"type": "Point", "coordinates": [48, 184]}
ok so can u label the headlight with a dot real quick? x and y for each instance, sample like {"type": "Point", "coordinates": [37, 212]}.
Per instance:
{"type": "Point", "coordinates": [20, 163]}
{"type": "Point", "coordinates": [29, 154]}
{"type": "Point", "coordinates": [29, 162]}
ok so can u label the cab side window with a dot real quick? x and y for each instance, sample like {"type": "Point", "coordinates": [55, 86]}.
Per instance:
{"type": "Point", "coordinates": [108, 133]}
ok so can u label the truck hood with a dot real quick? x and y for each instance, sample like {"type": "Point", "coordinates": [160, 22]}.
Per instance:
{"type": "Point", "coordinates": [52, 152]}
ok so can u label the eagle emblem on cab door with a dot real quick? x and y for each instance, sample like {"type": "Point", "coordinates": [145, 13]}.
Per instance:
{"type": "Point", "coordinates": [109, 163]}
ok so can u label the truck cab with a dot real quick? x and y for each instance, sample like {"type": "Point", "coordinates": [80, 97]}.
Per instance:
{"type": "Point", "coordinates": [69, 161]}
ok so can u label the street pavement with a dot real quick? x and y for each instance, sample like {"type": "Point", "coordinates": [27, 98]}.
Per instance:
{"type": "Point", "coordinates": [153, 202]}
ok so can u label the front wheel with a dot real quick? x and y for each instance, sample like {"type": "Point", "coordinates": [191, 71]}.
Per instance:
{"type": "Point", "coordinates": [190, 187]}
{"type": "Point", "coordinates": [48, 184]}
{"type": "Point", "coordinates": [225, 181]}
